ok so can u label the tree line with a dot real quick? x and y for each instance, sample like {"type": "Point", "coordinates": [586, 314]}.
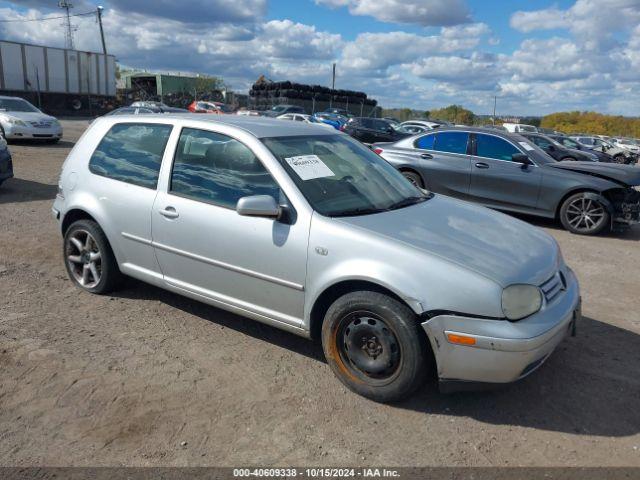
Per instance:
{"type": "Point", "coordinates": [592, 123]}
{"type": "Point", "coordinates": [567, 122]}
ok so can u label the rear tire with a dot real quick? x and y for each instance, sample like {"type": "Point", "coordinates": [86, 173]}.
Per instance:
{"type": "Point", "coordinates": [88, 258]}
{"type": "Point", "coordinates": [414, 178]}
{"type": "Point", "coordinates": [374, 345]}
{"type": "Point", "coordinates": [583, 215]}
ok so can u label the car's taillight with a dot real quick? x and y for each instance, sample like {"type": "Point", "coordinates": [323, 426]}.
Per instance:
{"type": "Point", "coordinates": [378, 150]}
{"type": "Point", "coordinates": [343, 128]}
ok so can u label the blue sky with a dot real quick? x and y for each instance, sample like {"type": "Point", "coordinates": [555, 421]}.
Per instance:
{"type": "Point", "coordinates": [536, 56]}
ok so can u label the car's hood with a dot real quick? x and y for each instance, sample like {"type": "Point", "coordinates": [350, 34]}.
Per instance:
{"type": "Point", "coordinates": [627, 174]}
{"type": "Point", "coordinates": [500, 247]}
{"type": "Point", "coordinates": [29, 116]}
{"type": "Point", "coordinates": [579, 153]}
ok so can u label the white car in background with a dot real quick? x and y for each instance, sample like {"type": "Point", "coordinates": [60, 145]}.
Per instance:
{"type": "Point", "coordinates": [19, 120]}
{"type": "Point", "coordinates": [626, 144]}
{"type": "Point", "coordinates": [303, 117]}
{"type": "Point", "coordinates": [519, 128]}
{"type": "Point", "coordinates": [419, 126]}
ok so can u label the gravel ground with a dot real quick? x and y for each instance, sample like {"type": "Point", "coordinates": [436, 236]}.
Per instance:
{"type": "Point", "coordinates": [146, 377]}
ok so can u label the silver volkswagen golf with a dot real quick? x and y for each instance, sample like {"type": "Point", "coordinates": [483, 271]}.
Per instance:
{"type": "Point", "coordinates": [305, 229]}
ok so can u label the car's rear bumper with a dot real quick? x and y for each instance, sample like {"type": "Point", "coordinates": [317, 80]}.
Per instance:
{"type": "Point", "coordinates": [504, 351]}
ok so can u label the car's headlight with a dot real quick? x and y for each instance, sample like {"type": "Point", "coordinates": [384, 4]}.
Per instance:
{"type": "Point", "coordinates": [519, 301]}
{"type": "Point", "coordinates": [16, 121]}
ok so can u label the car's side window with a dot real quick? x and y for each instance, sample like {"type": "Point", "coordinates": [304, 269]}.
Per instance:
{"type": "Point", "coordinates": [497, 148]}
{"type": "Point", "coordinates": [541, 142]}
{"type": "Point", "coordinates": [452, 142]}
{"type": "Point", "coordinates": [131, 153]}
{"type": "Point", "coordinates": [426, 142]}
{"type": "Point", "coordinates": [218, 169]}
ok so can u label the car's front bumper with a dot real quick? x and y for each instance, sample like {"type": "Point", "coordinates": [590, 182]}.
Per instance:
{"type": "Point", "coordinates": [21, 132]}
{"type": "Point", "coordinates": [504, 351]}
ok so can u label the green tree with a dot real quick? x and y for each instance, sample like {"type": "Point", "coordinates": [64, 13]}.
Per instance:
{"type": "Point", "coordinates": [455, 114]}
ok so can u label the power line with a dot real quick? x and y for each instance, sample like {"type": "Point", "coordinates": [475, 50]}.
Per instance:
{"type": "Point", "coordinates": [48, 18]}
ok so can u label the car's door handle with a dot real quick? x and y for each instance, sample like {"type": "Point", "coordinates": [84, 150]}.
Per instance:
{"type": "Point", "coordinates": [426, 156]}
{"type": "Point", "coordinates": [169, 212]}
{"type": "Point", "coordinates": [482, 165]}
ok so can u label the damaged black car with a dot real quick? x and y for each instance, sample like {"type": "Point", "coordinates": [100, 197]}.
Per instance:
{"type": "Point", "coordinates": [507, 172]}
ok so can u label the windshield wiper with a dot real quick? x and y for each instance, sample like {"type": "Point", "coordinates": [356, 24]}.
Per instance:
{"type": "Point", "coordinates": [358, 211]}
{"type": "Point", "coordinates": [406, 202]}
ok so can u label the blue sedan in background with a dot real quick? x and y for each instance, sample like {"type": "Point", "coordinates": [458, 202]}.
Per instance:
{"type": "Point", "coordinates": [6, 165]}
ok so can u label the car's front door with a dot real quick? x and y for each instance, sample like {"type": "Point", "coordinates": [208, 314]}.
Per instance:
{"type": "Point", "coordinates": [497, 180]}
{"type": "Point", "coordinates": [204, 246]}
{"type": "Point", "coordinates": [443, 160]}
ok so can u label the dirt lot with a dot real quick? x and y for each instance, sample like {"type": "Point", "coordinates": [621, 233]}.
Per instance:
{"type": "Point", "coordinates": [146, 377]}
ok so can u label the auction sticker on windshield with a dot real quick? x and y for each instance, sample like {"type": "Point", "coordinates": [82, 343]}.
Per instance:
{"type": "Point", "coordinates": [308, 167]}
{"type": "Point", "coordinates": [526, 146]}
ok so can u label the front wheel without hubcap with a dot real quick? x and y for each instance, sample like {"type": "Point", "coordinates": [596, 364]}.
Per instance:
{"type": "Point", "coordinates": [374, 345]}
{"type": "Point", "coordinates": [584, 214]}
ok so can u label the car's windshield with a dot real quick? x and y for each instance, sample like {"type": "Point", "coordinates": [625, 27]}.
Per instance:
{"type": "Point", "coordinates": [341, 177]}
{"type": "Point", "coordinates": [400, 128]}
{"type": "Point", "coordinates": [567, 142]}
{"type": "Point", "coordinates": [16, 105]}
{"type": "Point", "coordinates": [278, 108]}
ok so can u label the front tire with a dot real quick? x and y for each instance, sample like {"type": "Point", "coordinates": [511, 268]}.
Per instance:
{"type": "Point", "coordinates": [374, 345]}
{"type": "Point", "coordinates": [585, 214]}
{"type": "Point", "coordinates": [88, 258]}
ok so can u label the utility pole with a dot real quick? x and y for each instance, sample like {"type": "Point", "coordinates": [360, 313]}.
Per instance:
{"type": "Point", "coordinates": [104, 45]}
{"type": "Point", "coordinates": [495, 101]}
{"type": "Point", "coordinates": [333, 83]}
{"type": "Point", "coordinates": [69, 28]}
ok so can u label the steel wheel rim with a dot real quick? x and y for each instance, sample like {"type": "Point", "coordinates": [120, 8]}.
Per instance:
{"type": "Point", "coordinates": [585, 214]}
{"type": "Point", "coordinates": [84, 258]}
{"type": "Point", "coordinates": [369, 347]}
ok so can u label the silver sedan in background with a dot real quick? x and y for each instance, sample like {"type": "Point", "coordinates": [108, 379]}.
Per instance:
{"type": "Point", "coordinates": [19, 120]}
{"type": "Point", "coordinates": [305, 229]}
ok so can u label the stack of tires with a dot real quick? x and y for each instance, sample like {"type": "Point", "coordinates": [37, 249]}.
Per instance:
{"type": "Point", "coordinates": [264, 95]}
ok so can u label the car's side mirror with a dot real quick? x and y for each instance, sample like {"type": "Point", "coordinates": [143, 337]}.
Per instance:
{"type": "Point", "coordinates": [521, 158]}
{"type": "Point", "coordinates": [258, 206]}
{"type": "Point", "coordinates": [550, 148]}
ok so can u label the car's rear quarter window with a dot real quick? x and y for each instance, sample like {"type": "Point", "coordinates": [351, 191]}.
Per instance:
{"type": "Point", "coordinates": [131, 153]}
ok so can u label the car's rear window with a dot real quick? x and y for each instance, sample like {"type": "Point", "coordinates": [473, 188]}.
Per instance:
{"type": "Point", "coordinates": [131, 153]}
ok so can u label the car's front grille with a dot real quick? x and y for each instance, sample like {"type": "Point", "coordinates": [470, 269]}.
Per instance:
{"type": "Point", "coordinates": [552, 287]}
{"type": "Point", "coordinates": [41, 124]}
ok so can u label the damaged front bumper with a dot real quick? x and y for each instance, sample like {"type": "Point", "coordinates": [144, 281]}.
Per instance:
{"type": "Point", "coordinates": [627, 207]}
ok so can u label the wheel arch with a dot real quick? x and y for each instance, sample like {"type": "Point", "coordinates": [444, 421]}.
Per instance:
{"type": "Point", "coordinates": [575, 191]}
{"type": "Point", "coordinates": [74, 215]}
{"type": "Point", "coordinates": [331, 293]}
{"type": "Point", "coordinates": [404, 168]}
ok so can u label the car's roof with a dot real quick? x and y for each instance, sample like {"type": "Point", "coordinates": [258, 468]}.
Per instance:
{"type": "Point", "coordinates": [261, 127]}
{"type": "Point", "coordinates": [7, 97]}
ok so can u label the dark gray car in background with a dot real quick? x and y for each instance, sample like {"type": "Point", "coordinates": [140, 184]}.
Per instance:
{"type": "Point", "coordinates": [506, 171]}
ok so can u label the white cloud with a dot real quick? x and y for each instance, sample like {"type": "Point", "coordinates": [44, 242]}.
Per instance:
{"type": "Point", "coordinates": [375, 51]}
{"type": "Point", "coordinates": [421, 12]}
{"type": "Point", "coordinates": [594, 22]}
